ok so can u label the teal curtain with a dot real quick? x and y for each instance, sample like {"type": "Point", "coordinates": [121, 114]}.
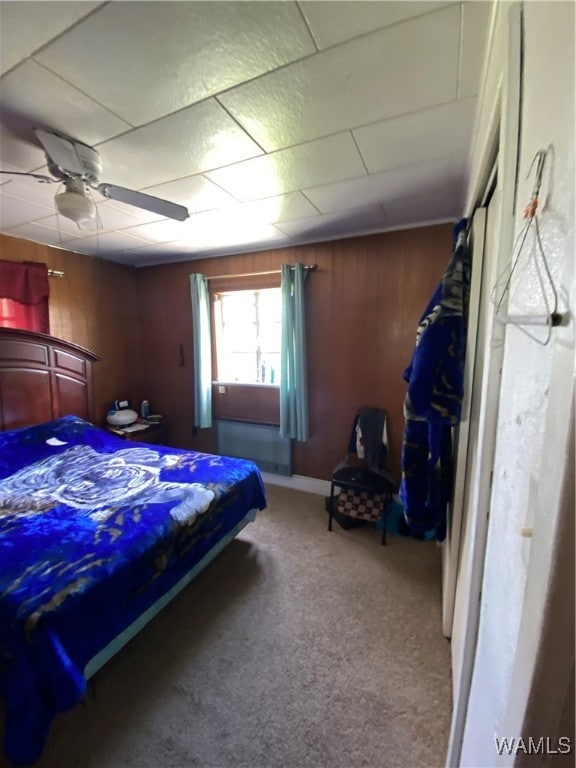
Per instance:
{"type": "Point", "coordinates": [201, 337]}
{"type": "Point", "coordinates": [293, 379]}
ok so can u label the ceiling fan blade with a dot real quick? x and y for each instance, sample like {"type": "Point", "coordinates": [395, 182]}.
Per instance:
{"type": "Point", "coordinates": [68, 158]}
{"type": "Point", "coordinates": [61, 151]}
{"type": "Point", "coordinates": [148, 202]}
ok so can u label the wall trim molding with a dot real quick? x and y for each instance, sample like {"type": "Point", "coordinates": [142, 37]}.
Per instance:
{"type": "Point", "coordinates": [299, 483]}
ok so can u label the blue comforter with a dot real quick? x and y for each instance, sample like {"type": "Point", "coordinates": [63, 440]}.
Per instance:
{"type": "Point", "coordinates": [94, 530]}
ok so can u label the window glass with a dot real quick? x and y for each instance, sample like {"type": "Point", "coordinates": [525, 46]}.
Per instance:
{"type": "Point", "coordinates": [247, 334]}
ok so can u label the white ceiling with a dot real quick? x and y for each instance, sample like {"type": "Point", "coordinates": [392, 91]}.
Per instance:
{"type": "Point", "coordinates": [274, 123]}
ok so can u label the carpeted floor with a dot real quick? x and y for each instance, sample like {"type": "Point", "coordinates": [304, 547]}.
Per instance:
{"type": "Point", "coordinates": [296, 648]}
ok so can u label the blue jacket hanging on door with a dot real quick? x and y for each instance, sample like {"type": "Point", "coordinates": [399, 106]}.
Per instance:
{"type": "Point", "coordinates": [435, 379]}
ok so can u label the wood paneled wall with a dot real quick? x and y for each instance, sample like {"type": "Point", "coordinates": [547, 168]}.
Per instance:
{"type": "Point", "coordinates": [93, 305]}
{"type": "Point", "coordinates": [363, 306]}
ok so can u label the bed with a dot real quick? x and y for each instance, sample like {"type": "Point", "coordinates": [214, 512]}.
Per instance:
{"type": "Point", "coordinates": [97, 534]}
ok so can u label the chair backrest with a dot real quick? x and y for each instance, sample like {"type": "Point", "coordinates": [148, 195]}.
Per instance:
{"type": "Point", "coordinates": [369, 438]}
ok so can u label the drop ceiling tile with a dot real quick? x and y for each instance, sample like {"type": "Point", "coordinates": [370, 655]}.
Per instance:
{"type": "Point", "coordinates": [439, 132]}
{"type": "Point", "coordinates": [282, 241]}
{"type": "Point", "coordinates": [24, 27]}
{"type": "Point", "coordinates": [29, 189]}
{"type": "Point", "coordinates": [112, 217]}
{"type": "Point", "coordinates": [205, 137]}
{"type": "Point", "coordinates": [66, 229]}
{"type": "Point", "coordinates": [33, 97]}
{"type": "Point", "coordinates": [235, 197]}
{"type": "Point", "coordinates": [375, 77]}
{"type": "Point", "coordinates": [317, 162]}
{"type": "Point", "coordinates": [38, 233]}
{"type": "Point", "coordinates": [421, 208]}
{"type": "Point", "coordinates": [103, 242]}
{"type": "Point", "coordinates": [293, 205]}
{"type": "Point", "coordinates": [215, 229]}
{"type": "Point", "coordinates": [234, 217]}
{"type": "Point", "coordinates": [475, 25]}
{"type": "Point", "coordinates": [8, 167]}
{"type": "Point", "coordinates": [381, 187]}
{"type": "Point", "coordinates": [331, 226]}
{"type": "Point", "coordinates": [331, 198]}
{"type": "Point", "coordinates": [333, 23]}
{"type": "Point", "coordinates": [17, 153]}
{"type": "Point", "coordinates": [164, 231]}
{"type": "Point", "coordinates": [176, 246]}
{"type": "Point", "coordinates": [434, 180]}
{"type": "Point", "coordinates": [211, 229]}
{"type": "Point", "coordinates": [196, 48]}
{"type": "Point", "coordinates": [125, 258]}
{"type": "Point", "coordinates": [135, 215]}
{"type": "Point", "coordinates": [14, 211]}
{"type": "Point", "coordinates": [197, 193]}
{"type": "Point", "coordinates": [424, 194]}
{"type": "Point", "coordinates": [144, 257]}
{"type": "Point", "coordinates": [155, 253]}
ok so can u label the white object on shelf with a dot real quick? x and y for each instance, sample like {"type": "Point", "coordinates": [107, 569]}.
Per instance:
{"type": "Point", "coordinates": [135, 428]}
{"type": "Point", "coordinates": [121, 418]}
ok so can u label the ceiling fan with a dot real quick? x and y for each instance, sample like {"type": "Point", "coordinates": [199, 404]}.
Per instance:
{"type": "Point", "coordinates": [78, 166]}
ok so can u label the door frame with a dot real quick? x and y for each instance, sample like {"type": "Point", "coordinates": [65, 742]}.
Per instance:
{"type": "Point", "coordinates": [501, 139]}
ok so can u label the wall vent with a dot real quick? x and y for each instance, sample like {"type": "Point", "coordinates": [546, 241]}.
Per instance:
{"type": "Point", "coordinates": [261, 443]}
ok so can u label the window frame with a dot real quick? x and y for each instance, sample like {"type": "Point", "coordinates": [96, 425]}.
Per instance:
{"type": "Point", "coordinates": [231, 285]}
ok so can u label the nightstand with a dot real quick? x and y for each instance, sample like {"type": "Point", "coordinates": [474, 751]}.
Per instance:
{"type": "Point", "coordinates": [156, 434]}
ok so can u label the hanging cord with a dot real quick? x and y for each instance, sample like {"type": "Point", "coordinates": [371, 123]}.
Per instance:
{"type": "Point", "coordinates": [551, 317]}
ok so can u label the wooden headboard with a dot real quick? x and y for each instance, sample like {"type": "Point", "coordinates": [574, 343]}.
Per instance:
{"type": "Point", "coordinates": [43, 378]}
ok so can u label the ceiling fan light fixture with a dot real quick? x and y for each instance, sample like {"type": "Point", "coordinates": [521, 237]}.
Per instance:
{"type": "Point", "coordinates": [75, 206]}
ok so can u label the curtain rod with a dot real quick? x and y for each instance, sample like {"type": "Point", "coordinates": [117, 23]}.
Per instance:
{"type": "Point", "coordinates": [51, 272]}
{"type": "Point", "coordinates": [310, 267]}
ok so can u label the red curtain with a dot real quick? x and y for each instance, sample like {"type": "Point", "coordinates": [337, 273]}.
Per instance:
{"type": "Point", "coordinates": [24, 295]}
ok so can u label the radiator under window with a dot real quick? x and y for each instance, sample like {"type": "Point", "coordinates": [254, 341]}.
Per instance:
{"type": "Point", "coordinates": [261, 443]}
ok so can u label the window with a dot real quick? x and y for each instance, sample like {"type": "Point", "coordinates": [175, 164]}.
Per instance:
{"type": "Point", "coordinates": [247, 328]}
